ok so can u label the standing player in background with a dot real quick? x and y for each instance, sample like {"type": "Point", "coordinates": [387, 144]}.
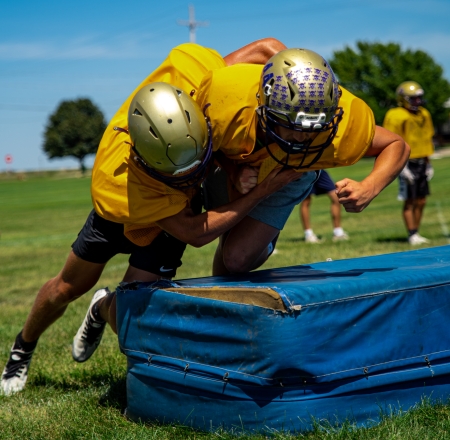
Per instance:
{"type": "Point", "coordinates": [413, 123]}
{"type": "Point", "coordinates": [324, 185]}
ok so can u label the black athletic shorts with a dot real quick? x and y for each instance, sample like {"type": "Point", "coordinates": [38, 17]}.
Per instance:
{"type": "Point", "coordinates": [420, 188]}
{"type": "Point", "coordinates": [101, 239]}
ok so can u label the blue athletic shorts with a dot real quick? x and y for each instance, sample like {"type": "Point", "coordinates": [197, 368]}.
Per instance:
{"type": "Point", "coordinates": [273, 211]}
{"type": "Point", "coordinates": [323, 185]}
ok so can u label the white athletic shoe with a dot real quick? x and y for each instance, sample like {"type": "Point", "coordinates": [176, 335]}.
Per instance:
{"type": "Point", "coordinates": [15, 373]}
{"type": "Point", "coordinates": [90, 333]}
{"type": "Point", "coordinates": [342, 237]}
{"type": "Point", "coordinates": [416, 240]}
{"type": "Point", "coordinates": [313, 238]}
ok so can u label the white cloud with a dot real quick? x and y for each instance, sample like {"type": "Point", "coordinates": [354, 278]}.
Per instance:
{"type": "Point", "coordinates": [83, 48]}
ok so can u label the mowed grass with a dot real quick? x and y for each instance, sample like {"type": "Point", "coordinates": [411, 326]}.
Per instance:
{"type": "Point", "coordinates": [40, 218]}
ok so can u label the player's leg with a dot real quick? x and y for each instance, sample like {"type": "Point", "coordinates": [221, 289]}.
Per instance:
{"type": "Point", "coordinates": [305, 216]}
{"type": "Point", "coordinates": [160, 259]}
{"type": "Point", "coordinates": [422, 192]}
{"type": "Point", "coordinates": [419, 206]}
{"type": "Point", "coordinates": [335, 209]}
{"type": "Point", "coordinates": [415, 203]}
{"type": "Point", "coordinates": [248, 244]}
{"type": "Point", "coordinates": [75, 279]}
{"type": "Point", "coordinates": [335, 212]}
{"type": "Point", "coordinates": [305, 213]}
{"type": "Point", "coordinates": [245, 247]}
{"type": "Point", "coordinates": [408, 215]}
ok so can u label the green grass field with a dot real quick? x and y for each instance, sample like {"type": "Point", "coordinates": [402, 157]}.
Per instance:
{"type": "Point", "coordinates": [40, 218]}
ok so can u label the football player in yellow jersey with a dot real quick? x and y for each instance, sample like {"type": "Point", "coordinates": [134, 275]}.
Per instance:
{"type": "Point", "coordinates": [413, 123]}
{"type": "Point", "coordinates": [150, 163]}
{"type": "Point", "coordinates": [290, 114]}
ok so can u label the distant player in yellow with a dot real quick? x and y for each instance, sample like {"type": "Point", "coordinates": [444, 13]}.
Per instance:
{"type": "Point", "coordinates": [413, 123]}
{"type": "Point", "coordinates": [149, 166]}
{"type": "Point", "coordinates": [293, 114]}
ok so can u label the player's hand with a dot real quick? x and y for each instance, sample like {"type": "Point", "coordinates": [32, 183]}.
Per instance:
{"type": "Point", "coordinates": [354, 196]}
{"type": "Point", "coordinates": [276, 179]}
{"type": "Point", "coordinates": [246, 179]}
{"type": "Point", "coordinates": [407, 174]}
{"type": "Point", "coordinates": [429, 172]}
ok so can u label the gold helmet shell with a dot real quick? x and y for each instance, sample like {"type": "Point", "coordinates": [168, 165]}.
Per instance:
{"type": "Point", "coordinates": [410, 95]}
{"type": "Point", "coordinates": [168, 130]}
{"type": "Point", "coordinates": [300, 84]}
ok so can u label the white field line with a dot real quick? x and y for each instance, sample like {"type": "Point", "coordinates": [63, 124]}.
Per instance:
{"type": "Point", "coordinates": [442, 221]}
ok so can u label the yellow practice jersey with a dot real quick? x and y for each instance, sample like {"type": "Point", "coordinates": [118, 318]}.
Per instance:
{"type": "Point", "coordinates": [415, 128]}
{"type": "Point", "coordinates": [232, 95]}
{"type": "Point", "coordinates": [121, 191]}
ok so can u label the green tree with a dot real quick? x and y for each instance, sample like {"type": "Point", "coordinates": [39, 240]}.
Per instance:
{"type": "Point", "coordinates": [74, 129]}
{"type": "Point", "coordinates": [373, 72]}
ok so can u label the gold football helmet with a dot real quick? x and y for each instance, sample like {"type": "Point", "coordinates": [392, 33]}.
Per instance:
{"type": "Point", "coordinates": [298, 91]}
{"type": "Point", "coordinates": [410, 95]}
{"type": "Point", "coordinates": [170, 134]}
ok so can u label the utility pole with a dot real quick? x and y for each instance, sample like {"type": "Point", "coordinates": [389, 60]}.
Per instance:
{"type": "Point", "coordinates": [192, 24]}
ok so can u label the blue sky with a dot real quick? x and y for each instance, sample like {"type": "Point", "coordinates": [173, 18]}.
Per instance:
{"type": "Point", "coordinates": [58, 50]}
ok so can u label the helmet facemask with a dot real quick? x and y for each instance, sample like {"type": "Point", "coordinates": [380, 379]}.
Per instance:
{"type": "Point", "coordinates": [299, 92]}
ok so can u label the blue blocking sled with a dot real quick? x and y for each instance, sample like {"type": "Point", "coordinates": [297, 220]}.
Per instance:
{"type": "Point", "coordinates": [341, 340]}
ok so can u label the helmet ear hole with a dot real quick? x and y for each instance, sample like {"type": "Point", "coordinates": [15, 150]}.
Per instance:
{"type": "Point", "coordinates": [291, 91]}
{"type": "Point", "coordinates": [153, 132]}
{"type": "Point", "coordinates": [188, 116]}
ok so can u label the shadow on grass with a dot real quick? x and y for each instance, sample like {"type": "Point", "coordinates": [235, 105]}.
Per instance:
{"type": "Point", "coordinates": [116, 396]}
{"type": "Point", "coordinates": [77, 382]}
{"type": "Point", "coordinates": [400, 240]}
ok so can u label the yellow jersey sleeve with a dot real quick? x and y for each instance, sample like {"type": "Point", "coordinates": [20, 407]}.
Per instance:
{"type": "Point", "coordinates": [415, 128]}
{"type": "Point", "coordinates": [121, 191]}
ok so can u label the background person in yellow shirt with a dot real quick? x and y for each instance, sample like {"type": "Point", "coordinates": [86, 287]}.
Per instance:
{"type": "Point", "coordinates": [292, 114]}
{"type": "Point", "coordinates": [143, 200]}
{"type": "Point", "coordinates": [413, 123]}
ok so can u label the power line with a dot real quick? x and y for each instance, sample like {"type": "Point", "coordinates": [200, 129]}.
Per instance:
{"type": "Point", "coordinates": [192, 24]}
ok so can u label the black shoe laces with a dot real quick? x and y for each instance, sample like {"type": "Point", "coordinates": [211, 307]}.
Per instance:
{"type": "Point", "coordinates": [15, 368]}
{"type": "Point", "coordinates": [92, 330]}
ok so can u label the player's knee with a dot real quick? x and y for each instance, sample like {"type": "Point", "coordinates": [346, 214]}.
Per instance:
{"type": "Point", "coordinates": [237, 262]}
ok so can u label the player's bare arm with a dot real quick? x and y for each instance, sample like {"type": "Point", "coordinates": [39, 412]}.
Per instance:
{"type": "Point", "coordinates": [257, 52]}
{"type": "Point", "coordinates": [391, 153]}
{"type": "Point", "coordinates": [201, 229]}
